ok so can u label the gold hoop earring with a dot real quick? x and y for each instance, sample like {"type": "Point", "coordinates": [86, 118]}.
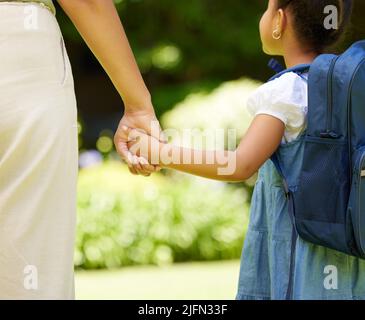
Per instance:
{"type": "Point", "coordinates": [276, 34]}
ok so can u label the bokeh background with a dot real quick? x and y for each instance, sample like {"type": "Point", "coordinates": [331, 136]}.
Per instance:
{"type": "Point", "coordinates": [170, 236]}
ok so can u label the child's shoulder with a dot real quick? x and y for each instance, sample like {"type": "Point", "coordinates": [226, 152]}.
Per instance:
{"type": "Point", "coordinates": [285, 98]}
{"type": "Point", "coordinates": [290, 88]}
{"type": "Point", "coordinates": [287, 81]}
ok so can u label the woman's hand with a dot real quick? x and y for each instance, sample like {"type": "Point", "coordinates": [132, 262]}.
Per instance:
{"type": "Point", "coordinates": [143, 145]}
{"type": "Point", "coordinates": [259, 143]}
{"type": "Point", "coordinates": [99, 24]}
{"type": "Point", "coordinates": [145, 121]}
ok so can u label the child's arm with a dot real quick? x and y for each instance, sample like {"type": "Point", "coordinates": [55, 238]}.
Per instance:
{"type": "Point", "coordinates": [259, 143]}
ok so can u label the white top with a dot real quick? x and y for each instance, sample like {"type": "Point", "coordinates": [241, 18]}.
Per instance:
{"type": "Point", "coordinates": [285, 98]}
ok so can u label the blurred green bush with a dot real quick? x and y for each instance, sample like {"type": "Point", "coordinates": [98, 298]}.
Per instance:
{"type": "Point", "coordinates": [127, 220]}
{"type": "Point", "coordinates": [223, 108]}
{"type": "Point", "coordinates": [207, 114]}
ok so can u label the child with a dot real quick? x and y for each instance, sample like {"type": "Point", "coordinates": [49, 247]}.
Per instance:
{"type": "Point", "coordinates": [295, 30]}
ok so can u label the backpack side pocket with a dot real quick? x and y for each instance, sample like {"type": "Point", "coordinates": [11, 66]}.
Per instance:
{"type": "Point", "coordinates": [356, 207]}
{"type": "Point", "coordinates": [321, 197]}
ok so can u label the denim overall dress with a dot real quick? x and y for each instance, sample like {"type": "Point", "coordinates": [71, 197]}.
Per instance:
{"type": "Point", "coordinates": [266, 269]}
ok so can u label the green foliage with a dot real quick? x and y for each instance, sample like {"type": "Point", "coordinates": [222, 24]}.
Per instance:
{"type": "Point", "coordinates": [167, 96]}
{"type": "Point", "coordinates": [127, 220]}
{"type": "Point", "coordinates": [223, 108]}
{"type": "Point", "coordinates": [179, 41]}
{"type": "Point", "coordinates": [194, 30]}
{"type": "Point", "coordinates": [206, 113]}
{"type": "Point", "coordinates": [182, 41]}
{"type": "Point", "coordinates": [185, 43]}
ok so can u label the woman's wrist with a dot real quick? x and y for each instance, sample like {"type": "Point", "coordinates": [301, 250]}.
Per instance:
{"type": "Point", "coordinates": [140, 105]}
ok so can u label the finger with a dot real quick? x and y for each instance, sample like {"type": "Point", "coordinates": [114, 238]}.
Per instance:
{"type": "Point", "coordinates": [143, 167]}
{"type": "Point", "coordinates": [132, 170]}
{"type": "Point", "coordinates": [137, 165]}
{"type": "Point", "coordinates": [147, 168]}
{"type": "Point", "coordinates": [133, 134]}
{"type": "Point", "coordinates": [123, 151]}
{"type": "Point", "coordinates": [126, 131]}
{"type": "Point", "coordinates": [134, 148]}
{"type": "Point", "coordinates": [142, 172]}
{"type": "Point", "coordinates": [130, 165]}
{"type": "Point", "coordinates": [121, 139]}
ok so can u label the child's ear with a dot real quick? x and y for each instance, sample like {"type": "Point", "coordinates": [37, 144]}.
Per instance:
{"type": "Point", "coordinates": [280, 21]}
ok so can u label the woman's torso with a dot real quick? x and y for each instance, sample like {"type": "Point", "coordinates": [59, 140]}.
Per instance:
{"type": "Point", "coordinates": [38, 157]}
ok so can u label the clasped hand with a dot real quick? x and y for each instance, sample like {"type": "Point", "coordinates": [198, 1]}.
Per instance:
{"type": "Point", "coordinates": [127, 137]}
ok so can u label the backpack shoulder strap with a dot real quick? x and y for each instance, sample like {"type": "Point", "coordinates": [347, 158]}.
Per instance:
{"type": "Point", "coordinates": [299, 69]}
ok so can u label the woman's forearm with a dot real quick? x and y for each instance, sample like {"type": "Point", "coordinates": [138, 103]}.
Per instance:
{"type": "Point", "coordinates": [99, 24]}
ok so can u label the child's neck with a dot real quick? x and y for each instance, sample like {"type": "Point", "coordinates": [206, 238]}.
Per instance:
{"type": "Point", "coordinates": [295, 57]}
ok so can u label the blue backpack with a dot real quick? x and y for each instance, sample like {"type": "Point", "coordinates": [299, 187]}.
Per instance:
{"type": "Point", "coordinates": [327, 207]}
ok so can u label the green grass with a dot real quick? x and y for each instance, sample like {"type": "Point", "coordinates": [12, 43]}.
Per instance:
{"type": "Point", "coordinates": [195, 281]}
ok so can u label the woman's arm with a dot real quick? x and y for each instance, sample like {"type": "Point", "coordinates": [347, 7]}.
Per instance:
{"type": "Point", "coordinates": [259, 143]}
{"type": "Point", "coordinates": [98, 23]}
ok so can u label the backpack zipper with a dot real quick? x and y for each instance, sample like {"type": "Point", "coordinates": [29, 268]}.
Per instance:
{"type": "Point", "coordinates": [329, 133]}
{"type": "Point", "coordinates": [360, 176]}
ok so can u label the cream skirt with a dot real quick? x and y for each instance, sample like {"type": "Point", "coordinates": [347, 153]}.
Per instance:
{"type": "Point", "coordinates": [38, 156]}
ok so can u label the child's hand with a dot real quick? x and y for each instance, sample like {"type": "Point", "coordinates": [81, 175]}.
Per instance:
{"type": "Point", "coordinates": [144, 146]}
